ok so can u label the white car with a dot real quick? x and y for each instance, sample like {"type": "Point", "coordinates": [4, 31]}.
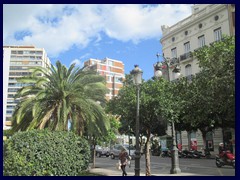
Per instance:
{"type": "Point", "coordinates": [102, 151]}
{"type": "Point", "coordinates": [116, 149]}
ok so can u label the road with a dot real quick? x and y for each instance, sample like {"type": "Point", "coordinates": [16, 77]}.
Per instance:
{"type": "Point", "coordinates": [160, 165]}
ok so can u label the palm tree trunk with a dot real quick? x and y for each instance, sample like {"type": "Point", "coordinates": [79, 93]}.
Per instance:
{"type": "Point", "coordinates": [93, 151]}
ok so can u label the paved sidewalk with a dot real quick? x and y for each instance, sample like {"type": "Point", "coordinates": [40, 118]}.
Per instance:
{"type": "Point", "coordinates": [110, 172]}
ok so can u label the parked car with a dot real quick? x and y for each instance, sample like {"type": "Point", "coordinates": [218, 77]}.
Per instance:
{"type": "Point", "coordinates": [116, 149]}
{"type": "Point", "coordinates": [102, 151]}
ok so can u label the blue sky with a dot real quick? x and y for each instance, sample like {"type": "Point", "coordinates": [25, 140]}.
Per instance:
{"type": "Point", "coordinates": [74, 33]}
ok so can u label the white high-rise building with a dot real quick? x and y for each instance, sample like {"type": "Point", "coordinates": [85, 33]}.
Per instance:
{"type": "Point", "coordinates": [16, 61]}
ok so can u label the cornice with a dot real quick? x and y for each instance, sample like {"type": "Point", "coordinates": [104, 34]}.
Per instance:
{"type": "Point", "coordinates": [193, 21]}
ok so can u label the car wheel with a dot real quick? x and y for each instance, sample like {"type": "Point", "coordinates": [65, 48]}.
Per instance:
{"type": "Point", "coordinates": [99, 154]}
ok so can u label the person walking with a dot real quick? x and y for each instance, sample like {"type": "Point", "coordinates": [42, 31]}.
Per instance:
{"type": "Point", "coordinates": [123, 157]}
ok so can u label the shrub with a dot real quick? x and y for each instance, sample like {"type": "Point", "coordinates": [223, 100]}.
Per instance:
{"type": "Point", "coordinates": [45, 153]}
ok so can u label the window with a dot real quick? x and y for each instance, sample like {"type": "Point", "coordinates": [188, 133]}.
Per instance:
{"type": "Point", "coordinates": [174, 52]}
{"type": "Point", "coordinates": [192, 135]}
{"type": "Point", "coordinates": [10, 107]}
{"type": "Point", "coordinates": [217, 34]}
{"type": "Point", "coordinates": [188, 70]}
{"type": "Point", "coordinates": [12, 79]}
{"type": "Point", "coordinates": [186, 47]}
{"type": "Point", "coordinates": [13, 90]}
{"type": "Point", "coordinates": [26, 52]}
{"type": "Point", "coordinates": [9, 112]}
{"type": "Point", "coordinates": [118, 79]}
{"type": "Point", "coordinates": [32, 52]}
{"type": "Point", "coordinates": [39, 52]}
{"type": "Point", "coordinates": [10, 95]}
{"type": "Point", "coordinates": [201, 41]}
{"type": "Point", "coordinates": [109, 79]}
{"type": "Point", "coordinates": [110, 63]}
{"type": "Point", "coordinates": [109, 68]}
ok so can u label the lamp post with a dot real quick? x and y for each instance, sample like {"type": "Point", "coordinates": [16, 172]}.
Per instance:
{"type": "Point", "coordinates": [158, 73]}
{"type": "Point", "coordinates": [137, 80]}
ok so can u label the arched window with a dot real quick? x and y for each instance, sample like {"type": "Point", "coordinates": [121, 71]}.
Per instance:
{"type": "Point", "coordinates": [188, 70]}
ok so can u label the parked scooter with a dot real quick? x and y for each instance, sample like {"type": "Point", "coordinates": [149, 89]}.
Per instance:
{"type": "Point", "coordinates": [187, 154]}
{"type": "Point", "coordinates": [196, 154]}
{"type": "Point", "coordinates": [207, 154]}
{"type": "Point", "coordinates": [166, 153]}
{"type": "Point", "coordinates": [226, 159]}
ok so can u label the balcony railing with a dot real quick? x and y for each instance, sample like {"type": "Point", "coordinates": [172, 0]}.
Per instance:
{"type": "Point", "coordinates": [185, 56]}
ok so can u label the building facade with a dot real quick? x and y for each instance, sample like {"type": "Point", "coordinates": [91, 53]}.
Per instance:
{"type": "Point", "coordinates": [16, 62]}
{"type": "Point", "coordinates": [112, 70]}
{"type": "Point", "coordinates": [207, 24]}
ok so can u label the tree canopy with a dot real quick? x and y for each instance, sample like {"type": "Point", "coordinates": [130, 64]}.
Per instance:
{"type": "Point", "coordinates": [55, 96]}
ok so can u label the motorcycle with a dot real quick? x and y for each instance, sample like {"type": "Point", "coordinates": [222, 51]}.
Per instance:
{"type": "Point", "coordinates": [227, 158]}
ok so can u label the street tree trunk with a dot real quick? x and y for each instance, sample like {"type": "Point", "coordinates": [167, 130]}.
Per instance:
{"type": "Point", "coordinates": [204, 133]}
{"type": "Point", "coordinates": [147, 154]}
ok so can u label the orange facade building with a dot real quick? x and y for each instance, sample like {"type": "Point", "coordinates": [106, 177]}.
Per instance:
{"type": "Point", "coordinates": [112, 70]}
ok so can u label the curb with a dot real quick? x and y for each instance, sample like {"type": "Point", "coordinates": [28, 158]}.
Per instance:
{"type": "Point", "coordinates": [108, 172]}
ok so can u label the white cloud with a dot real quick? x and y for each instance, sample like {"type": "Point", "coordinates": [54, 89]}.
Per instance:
{"type": "Point", "coordinates": [77, 62]}
{"type": "Point", "coordinates": [58, 27]}
{"type": "Point", "coordinates": [85, 56]}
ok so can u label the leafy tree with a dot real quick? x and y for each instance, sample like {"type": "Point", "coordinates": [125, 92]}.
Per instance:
{"type": "Point", "coordinates": [209, 98]}
{"type": "Point", "coordinates": [151, 121]}
{"type": "Point", "coordinates": [215, 84]}
{"type": "Point", "coordinates": [56, 95]}
{"type": "Point", "coordinates": [184, 92]}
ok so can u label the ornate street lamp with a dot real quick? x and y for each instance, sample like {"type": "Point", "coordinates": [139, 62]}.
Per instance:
{"type": "Point", "coordinates": [158, 73]}
{"type": "Point", "coordinates": [137, 80]}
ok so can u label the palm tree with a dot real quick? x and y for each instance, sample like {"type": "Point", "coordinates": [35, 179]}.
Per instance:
{"type": "Point", "coordinates": [56, 95]}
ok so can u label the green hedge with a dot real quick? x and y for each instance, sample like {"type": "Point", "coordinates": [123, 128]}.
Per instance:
{"type": "Point", "coordinates": [45, 153]}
